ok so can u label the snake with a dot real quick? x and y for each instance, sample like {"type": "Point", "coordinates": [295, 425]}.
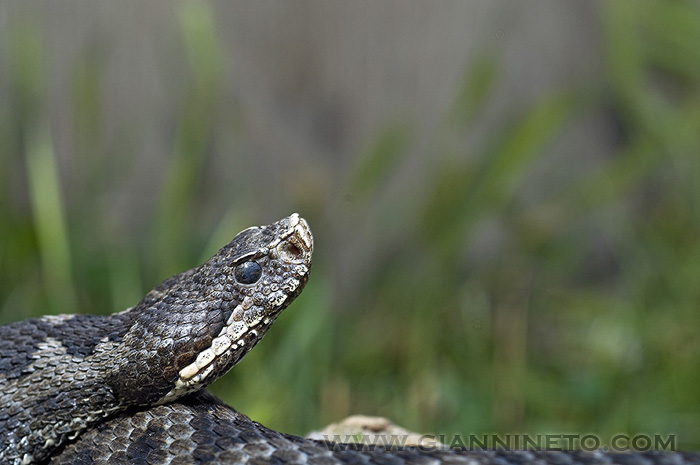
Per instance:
{"type": "Point", "coordinates": [130, 387]}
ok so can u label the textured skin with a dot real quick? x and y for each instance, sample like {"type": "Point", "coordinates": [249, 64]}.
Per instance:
{"type": "Point", "coordinates": [200, 429]}
{"type": "Point", "coordinates": [127, 388]}
{"type": "Point", "coordinates": [60, 375]}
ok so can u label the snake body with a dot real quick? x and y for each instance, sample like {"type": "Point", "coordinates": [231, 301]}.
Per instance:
{"type": "Point", "coordinates": [128, 388]}
{"type": "Point", "coordinates": [200, 429]}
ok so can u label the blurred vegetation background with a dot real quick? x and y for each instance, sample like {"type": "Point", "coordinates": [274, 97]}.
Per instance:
{"type": "Point", "coordinates": [505, 197]}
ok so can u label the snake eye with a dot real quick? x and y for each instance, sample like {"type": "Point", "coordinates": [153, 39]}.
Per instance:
{"type": "Point", "coordinates": [248, 272]}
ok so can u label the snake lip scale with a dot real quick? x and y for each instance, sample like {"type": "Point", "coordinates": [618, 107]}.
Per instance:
{"type": "Point", "coordinates": [128, 388]}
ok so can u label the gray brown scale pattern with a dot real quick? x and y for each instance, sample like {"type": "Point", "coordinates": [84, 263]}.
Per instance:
{"type": "Point", "coordinates": [128, 388]}
{"type": "Point", "coordinates": [200, 429]}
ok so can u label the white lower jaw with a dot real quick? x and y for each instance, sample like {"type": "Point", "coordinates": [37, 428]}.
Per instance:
{"type": "Point", "coordinates": [193, 376]}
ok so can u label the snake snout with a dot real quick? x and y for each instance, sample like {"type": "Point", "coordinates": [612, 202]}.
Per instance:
{"type": "Point", "coordinates": [299, 244]}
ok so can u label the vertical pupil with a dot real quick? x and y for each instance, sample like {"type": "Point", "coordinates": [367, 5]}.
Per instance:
{"type": "Point", "coordinates": [248, 272]}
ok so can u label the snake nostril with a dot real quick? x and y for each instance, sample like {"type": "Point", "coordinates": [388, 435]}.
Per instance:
{"type": "Point", "coordinates": [294, 250]}
{"type": "Point", "coordinates": [290, 251]}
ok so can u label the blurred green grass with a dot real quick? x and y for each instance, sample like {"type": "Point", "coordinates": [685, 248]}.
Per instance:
{"type": "Point", "coordinates": [584, 319]}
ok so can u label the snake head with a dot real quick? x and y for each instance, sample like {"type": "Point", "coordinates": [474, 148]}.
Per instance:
{"type": "Point", "coordinates": [196, 325]}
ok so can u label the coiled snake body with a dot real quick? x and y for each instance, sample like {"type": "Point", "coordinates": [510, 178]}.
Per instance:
{"type": "Point", "coordinates": [128, 388]}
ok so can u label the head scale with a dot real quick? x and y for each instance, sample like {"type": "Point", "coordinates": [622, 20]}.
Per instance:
{"type": "Point", "coordinates": [197, 325]}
